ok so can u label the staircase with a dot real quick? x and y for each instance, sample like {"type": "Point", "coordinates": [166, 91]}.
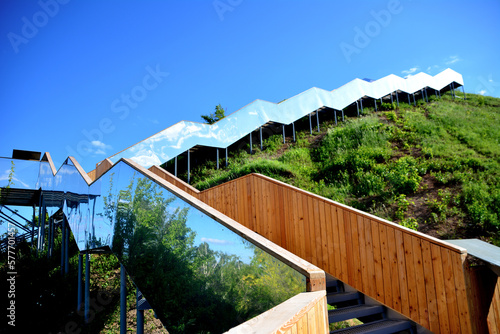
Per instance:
{"type": "Point", "coordinates": [351, 305]}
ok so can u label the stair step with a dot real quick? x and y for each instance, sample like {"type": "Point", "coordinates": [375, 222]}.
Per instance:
{"type": "Point", "coordinates": [377, 327]}
{"type": "Point", "coordinates": [352, 312]}
{"type": "Point", "coordinates": [333, 298]}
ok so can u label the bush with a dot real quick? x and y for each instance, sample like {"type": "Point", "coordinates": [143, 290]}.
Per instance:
{"type": "Point", "coordinates": [403, 176]}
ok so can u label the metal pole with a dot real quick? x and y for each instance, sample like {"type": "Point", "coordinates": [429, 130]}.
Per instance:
{"type": "Point", "coordinates": [260, 131]}
{"type": "Point", "coordinates": [140, 315]}
{"type": "Point", "coordinates": [49, 241]}
{"type": "Point", "coordinates": [63, 239]}
{"type": "Point", "coordinates": [357, 107]}
{"type": "Point", "coordinates": [463, 90]}
{"type": "Point", "coordinates": [361, 104]}
{"type": "Point", "coordinates": [80, 269]}
{"type": "Point", "coordinates": [397, 99]}
{"type": "Point", "coordinates": [217, 158]}
{"type": "Point", "coordinates": [439, 94]}
{"type": "Point", "coordinates": [33, 227]}
{"type": "Point", "coordinates": [426, 95]}
{"type": "Point", "coordinates": [409, 100]}
{"type": "Point", "coordinates": [293, 126]}
{"type": "Point", "coordinates": [250, 143]}
{"type": "Point", "coordinates": [175, 166]}
{"type": "Point", "coordinates": [226, 156]}
{"type": "Point", "coordinates": [283, 126]}
{"type": "Point", "coordinates": [414, 100]}
{"type": "Point", "coordinates": [189, 167]}
{"type": "Point", "coordinates": [436, 92]}
{"type": "Point", "coordinates": [452, 91]}
{"type": "Point", "coordinates": [335, 115]}
{"type": "Point", "coordinates": [123, 301]}
{"type": "Point", "coordinates": [342, 115]}
{"type": "Point", "coordinates": [375, 101]}
{"type": "Point", "coordinates": [392, 99]}
{"type": "Point", "coordinates": [310, 124]}
{"type": "Point", "coordinates": [66, 249]}
{"type": "Point", "coordinates": [87, 287]}
{"type": "Point", "coordinates": [317, 118]}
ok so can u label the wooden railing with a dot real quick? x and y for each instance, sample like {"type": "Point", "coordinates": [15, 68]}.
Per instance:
{"type": "Point", "coordinates": [417, 275]}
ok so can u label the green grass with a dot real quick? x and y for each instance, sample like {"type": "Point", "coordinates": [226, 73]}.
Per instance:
{"type": "Point", "coordinates": [443, 157]}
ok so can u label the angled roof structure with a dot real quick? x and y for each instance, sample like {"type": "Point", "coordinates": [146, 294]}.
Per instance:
{"type": "Point", "coordinates": [184, 135]}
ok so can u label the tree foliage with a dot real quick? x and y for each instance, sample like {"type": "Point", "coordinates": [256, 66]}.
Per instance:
{"type": "Point", "coordinates": [217, 116]}
{"type": "Point", "coordinates": [192, 288]}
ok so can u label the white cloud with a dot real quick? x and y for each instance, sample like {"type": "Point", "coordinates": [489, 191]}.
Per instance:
{"type": "Point", "coordinates": [216, 241]}
{"type": "Point", "coordinates": [452, 60]}
{"type": "Point", "coordinates": [482, 92]}
{"type": "Point", "coordinates": [99, 148]}
{"type": "Point", "coordinates": [409, 73]}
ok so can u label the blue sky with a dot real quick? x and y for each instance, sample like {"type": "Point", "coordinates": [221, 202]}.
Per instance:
{"type": "Point", "coordinates": [91, 78]}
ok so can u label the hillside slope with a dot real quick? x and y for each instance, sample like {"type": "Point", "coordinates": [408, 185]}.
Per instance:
{"type": "Point", "coordinates": [434, 167]}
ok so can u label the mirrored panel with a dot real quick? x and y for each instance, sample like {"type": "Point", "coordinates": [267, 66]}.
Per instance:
{"type": "Point", "coordinates": [197, 274]}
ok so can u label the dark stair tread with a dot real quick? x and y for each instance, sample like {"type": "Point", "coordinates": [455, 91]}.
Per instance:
{"type": "Point", "coordinates": [377, 327]}
{"type": "Point", "coordinates": [352, 312]}
{"type": "Point", "coordinates": [338, 297]}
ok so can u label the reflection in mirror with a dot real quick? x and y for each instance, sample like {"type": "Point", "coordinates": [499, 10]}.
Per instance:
{"type": "Point", "coordinates": [197, 274]}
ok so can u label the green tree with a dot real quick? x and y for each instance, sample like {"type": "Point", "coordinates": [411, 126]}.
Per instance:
{"type": "Point", "coordinates": [212, 118]}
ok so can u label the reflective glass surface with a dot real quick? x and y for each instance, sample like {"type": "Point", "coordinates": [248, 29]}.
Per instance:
{"type": "Point", "coordinates": [197, 274]}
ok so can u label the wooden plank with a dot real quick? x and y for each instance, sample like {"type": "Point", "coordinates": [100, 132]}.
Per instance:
{"type": "Point", "coordinates": [309, 218]}
{"type": "Point", "coordinates": [430, 288]}
{"type": "Point", "coordinates": [403, 279]}
{"type": "Point", "coordinates": [317, 231]}
{"type": "Point", "coordinates": [291, 222]}
{"type": "Point", "coordinates": [365, 280]}
{"type": "Point", "coordinates": [463, 307]}
{"type": "Point", "coordinates": [386, 267]}
{"type": "Point", "coordinates": [336, 270]}
{"type": "Point", "coordinates": [302, 326]}
{"type": "Point", "coordinates": [493, 319]}
{"type": "Point", "coordinates": [343, 244]}
{"type": "Point", "coordinates": [437, 266]}
{"type": "Point", "coordinates": [329, 238]}
{"type": "Point", "coordinates": [356, 264]}
{"type": "Point", "coordinates": [324, 234]}
{"type": "Point", "coordinates": [311, 320]}
{"type": "Point", "coordinates": [410, 273]}
{"type": "Point", "coordinates": [370, 284]}
{"type": "Point", "coordinates": [249, 204]}
{"type": "Point", "coordinates": [377, 263]}
{"type": "Point", "coordinates": [348, 241]}
{"type": "Point", "coordinates": [449, 286]}
{"type": "Point", "coordinates": [281, 206]}
{"type": "Point", "coordinates": [423, 312]}
{"type": "Point", "coordinates": [256, 205]}
{"type": "Point", "coordinates": [393, 264]}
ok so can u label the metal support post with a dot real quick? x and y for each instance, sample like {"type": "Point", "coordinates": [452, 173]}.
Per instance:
{"type": "Point", "coordinates": [226, 157]}
{"type": "Point", "coordinates": [409, 100]}
{"type": "Point", "coordinates": [63, 239]}
{"type": "Point", "coordinates": [189, 167]}
{"type": "Point", "coordinates": [293, 128]}
{"type": "Point", "coordinates": [260, 133]}
{"type": "Point", "coordinates": [66, 249]}
{"type": "Point", "coordinates": [217, 157]}
{"type": "Point", "coordinates": [414, 100]}
{"type": "Point", "coordinates": [397, 99]}
{"type": "Point", "coordinates": [342, 115]}
{"type": "Point", "coordinates": [392, 99]}
{"type": "Point", "coordinates": [375, 101]}
{"type": "Point", "coordinates": [439, 94]}
{"type": "Point", "coordinates": [140, 315]}
{"type": "Point", "coordinates": [426, 95]}
{"type": "Point", "coordinates": [317, 118]}
{"type": "Point", "coordinates": [123, 301]}
{"type": "Point", "coordinates": [310, 124]}
{"type": "Point", "coordinates": [80, 269]}
{"type": "Point", "coordinates": [463, 90]}
{"type": "Point", "coordinates": [361, 104]}
{"type": "Point", "coordinates": [250, 142]}
{"type": "Point", "coordinates": [49, 250]}
{"type": "Point", "coordinates": [283, 126]}
{"type": "Point", "coordinates": [436, 93]}
{"type": "Point", "coordinates": [357, 108]}
{"type": "Point", "coordinates": [452, 91]}
{"type": "Point", "coordinates": [335, 115]}
{"type": "Point", "coordinates": [87, 287]}
{"type": "Point", "coordinates": [33, 227]}
{"type": "Point", "coordinates": [175, 166]}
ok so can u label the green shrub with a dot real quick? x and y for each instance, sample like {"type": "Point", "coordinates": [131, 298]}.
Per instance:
{"type": "Point", "coordinates": [403, 176]}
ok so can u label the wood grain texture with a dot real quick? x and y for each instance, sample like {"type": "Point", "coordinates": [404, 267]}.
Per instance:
{"type": "Point", "coordinates": [415, 274]}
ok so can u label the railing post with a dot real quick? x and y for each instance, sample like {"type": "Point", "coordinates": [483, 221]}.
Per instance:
{"type": "Point", "coordinates": [87, 287]}
{"type": "Point", "coordinates": [80, 269]}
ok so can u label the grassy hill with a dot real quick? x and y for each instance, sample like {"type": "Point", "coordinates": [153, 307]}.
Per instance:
{"type": "Point", "coordinates": [434, 167]}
